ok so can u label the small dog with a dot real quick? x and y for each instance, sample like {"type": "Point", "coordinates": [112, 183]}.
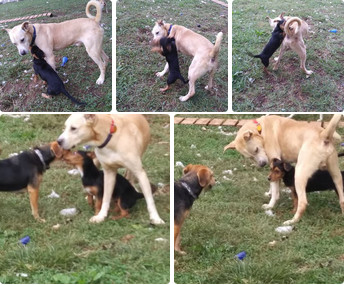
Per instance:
{"type": "Point", "coordinates": [186, 191]}
{"type": "Point", "coordinates": [273, 44]}
{"type": "Point", "coordinates": [124, 195]}
{"type": "Point", "coordinates": [321, 180]}
{"type": "Point", "coordinates": [167, 48]}
{"type": "Point", "coordinates": [49, 75]}
{"type": "Point", "coordinates": [25, 171]}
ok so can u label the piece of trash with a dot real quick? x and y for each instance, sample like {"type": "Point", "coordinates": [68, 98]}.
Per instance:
{"type": "Point", "coordinates": [255, 179]}
{"type": "Point", "coordinates": [241, 255]}
{"type": "Point", "coordinates": [179, 164]}
{"type": "Point", "coordinates": [56, 227]}
{"type": "Point", "coordinates": [284, 229]}
{"type": "Point", "coordinates": [286, 190]}
{"type": "Point", "coordinates": [64, 60]}
{"type": "Point", "coordinates": [73, 172]}
{"type": "Point", "coordinates": [272, 243]}
{"type": "Point", "coordinates": [22, 274]}
{"type": "Point", "coordinates": [229, 171]}
{"type": "Point", "coordinates": [226, 178]}
{"type": "Point", "coordinates": [269, 213]}
{"type": "Point", "coordinates": [193, 146]}
{"type": "Point", "coordinates": [25, 240]}
{"type": "Point", "coordinates": [333, 31]}
{"type": "Point", "coordinates": [86, 147]}
{"type": "Point", "coordinates": [161, 239]}
{"type": "Point", "coordinates": [68, 212]}
{"type": "Point", "coordinates": [53, 194]}
{"type": "Point", "coordinates": [198, 155]}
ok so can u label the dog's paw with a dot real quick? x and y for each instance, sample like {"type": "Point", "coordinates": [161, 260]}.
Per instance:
{"type": "Point", "coordinates": [97, 219]}
{"type": "Point", "coordinates": [39, 219]}
{"type": "Point", "coordinates": [309, 72]}
{"type": "Point", "coordinates": [289, 222]}
{"type": "Point", "coordinates": [159, 74]}
{"type": "Point", "coordinates": [183, 98]}
{"type": "Point", "coordinates": [157, 221]}
{"type": "Point", "coordinates": [100, 81]}
{"type": "Point", "coordinates": [267, 206]}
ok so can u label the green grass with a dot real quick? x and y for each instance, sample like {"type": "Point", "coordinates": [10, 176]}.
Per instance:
{"type": "Point", "coordinates": [229, 219]}
{"type": "Point", "coordinates": [288, 89]}
{"type": "Point", "coordinates": [80, 252]}
{"type": "Point", "coordinates": [20, 94]}
{"type": "Point", "coordinates": [137, 87]}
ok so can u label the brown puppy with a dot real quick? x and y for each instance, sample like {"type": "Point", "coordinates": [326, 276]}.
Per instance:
{"type": "Point", "coordinates": [186, 191]}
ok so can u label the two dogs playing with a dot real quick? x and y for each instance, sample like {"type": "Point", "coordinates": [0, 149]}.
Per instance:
{"type": "Point", "coordinates": [289, 32]}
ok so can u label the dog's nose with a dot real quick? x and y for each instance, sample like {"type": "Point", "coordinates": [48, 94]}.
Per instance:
{"type": "Point", "coordinates": [60, 142]}
{"type": "Point", "coordinates": [23, 52]}
{"type": "Point", "coordinates": [269, 178]}
{"type": "Point", "coordinates": [262, 163]}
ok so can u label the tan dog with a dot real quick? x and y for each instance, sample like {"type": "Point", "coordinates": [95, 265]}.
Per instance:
{"type": "Point", "coordinates": [186, 191]}
{"type": "Point", "coordinates": [119, 141]}
{"type": "Point", "coordinates": [205, 54]}
{"type": "Point", "coordinates": [56, 36]}
{"type": "Point", "coordinates": [309, 145]}
{"type": "Point", "coordinates": [295, 29]}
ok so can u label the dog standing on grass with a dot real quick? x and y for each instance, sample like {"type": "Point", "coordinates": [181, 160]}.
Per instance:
{"type": "Point", "coordinates": [205, 54]}
{"type": "Point", "coordinates": [167, 47]}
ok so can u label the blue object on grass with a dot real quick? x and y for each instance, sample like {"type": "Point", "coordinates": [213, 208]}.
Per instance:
{"type": "Point", "coordinates": [64, 60]}
{"type": "Point", "coordinates": [25, 240]}
{"type": "Point", "coordinates": [334, 31]}
{"type": "Point", "coordinates": [241, 255]}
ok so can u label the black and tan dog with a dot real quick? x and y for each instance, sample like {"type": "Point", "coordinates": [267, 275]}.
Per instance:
{"type": "Point", "coordinates": [321, 180]}
{"type": "Point", "coordinates": [124, 195]}
{"type": "Point", "coordinates": [273, 44]}
{"type": "Point", "coordinates": [49, 75]}
{"type": "Point", "coordinates": [167, 48]}
{"type": "Point", "coordinates": [186, 191]}
{"type": "Point", "coordinates": [25, 171]}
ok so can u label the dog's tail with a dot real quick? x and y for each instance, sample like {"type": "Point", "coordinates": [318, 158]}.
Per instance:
{"type": "Point", "coordinates": [74, 100]}
{"type": "Point", "coordinates": [98, 16]}
{"type": "Point", "coordinates": [290, 28]}
{"type": "Point", "coordinates": [216, 48]}
{"type": "Point", "coordinates": [329, 132]}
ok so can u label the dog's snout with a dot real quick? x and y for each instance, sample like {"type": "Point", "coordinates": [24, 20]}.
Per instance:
{"type": "Point", "coordinates": [60, 141]}
{"type": "Point", "coordinates": [269, 178]}
{"type": "Point", "coordinates": [23, 52]}
{"type": "Point", "coordinates": [262, 163]}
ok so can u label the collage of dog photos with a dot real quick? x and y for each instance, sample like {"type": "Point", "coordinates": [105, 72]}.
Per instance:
{"type": "Point", "coordinates": [171, 142]}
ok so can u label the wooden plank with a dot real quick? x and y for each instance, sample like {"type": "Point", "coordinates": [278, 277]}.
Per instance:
{"type": "Point", "coordinates": [230, 122]}
{"type": "Point", "coordinates": [178, 120]}
{"type": "Point", "coordinates": [202, 121]}
{"type": "Point", "coordinates": [188, 121]}
{"type": "Point", "coordinates": [216, 122]}
{"type": "Point", "coordinates": [242, 122]}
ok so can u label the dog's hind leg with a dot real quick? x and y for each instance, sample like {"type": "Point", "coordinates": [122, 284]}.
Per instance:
{"type": "Point", "coordinates": [301, 51]}
{"type": "Point", "coordinates": [210, 81]}
{"type": "Point", "coordinates": [96, 53]}
{"type": "Point", "coordinates": [332, 166]}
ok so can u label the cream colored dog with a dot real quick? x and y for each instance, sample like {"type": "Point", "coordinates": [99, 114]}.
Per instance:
{"type": "Point", "coordinates": [119, 141]}
{"type": "Point", "coordinates": [309, 145]}
{"type": "Point", "coordinates": [295, 29]}
{"type": "Point", "coordinates": [56, 36]}
{"type": "Point", "coordinates": [205, 54]}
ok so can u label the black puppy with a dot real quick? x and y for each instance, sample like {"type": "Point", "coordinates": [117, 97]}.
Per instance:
{"type": "Point", "coordinates": [321, 180]}
{"type": "Point", "coordinates": [273, 44]}
{"type": "Point", "coordinates": [124, 195]}
{"type": "Point", "coordinates": [48, 74]}
{"type": "Point", "coordinates": [169, 50]}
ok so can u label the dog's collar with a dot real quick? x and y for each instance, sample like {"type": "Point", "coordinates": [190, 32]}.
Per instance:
{"type": "Point", "coordinates": [111, 131]}
{"type": "Point", "coordinates": [170, 29]}
{"type": "Point", "coordinates": [40, 156]}
{"type": "Point", "coordinates": [33, 37]}
{"type": "Point", "coordinates": [186, 186]}
{"type": "Point", "coordinates": [258, 126]}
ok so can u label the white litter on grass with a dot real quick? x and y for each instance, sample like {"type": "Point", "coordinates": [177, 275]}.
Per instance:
{"type": "Point", "coordinates": [267, 194]}
{"type": "Point", "coordinates": [53, 194]}
{"type": "Point", "coordinates": [56, 227]}
{"type": "Point", "coordinates": [160, 185]}
{"type": "Point", "coordinates": [12, 154]}
{"type": "Point", "coordinates": [22, 274]}
{"type": "Point", "coordinates": [198, 155]}
{"type": "Point", "coordinates": [286, 190]}
{"type": "Point", "coordinates": [226, 178]}
{"type": "Point", "coordinates": [255, 179]}
{"type": "Point", "coordinates": [68, 212]}
{"type": "Point", "coordinates": [73, 172]}
{"type": "Point", "coordinates": [272, 243]}
{"type": "Point", "coordinates": [229, 171]}
{"type": "Point", "coordinates": [269, 213]}
{"type": "Point", "coordinates": [193, 146]}
{"type": "Point", "coordinates": [179, 164]}
{"type": "Point", "coordinates": [203, 129]}
{"type": "Point", "coordinates": [284, 229]}
{"type": "Point", "coordinates": [161, 239]}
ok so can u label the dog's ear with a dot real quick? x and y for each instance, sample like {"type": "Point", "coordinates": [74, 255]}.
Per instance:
{"type": "Point", "coordinates": [7, 30]}
{"type": "Point", "coordinates": [160, 23]}
{"type": "Point", "coordinates": [204, 177]}
{"type": "Point", "coordinates": [281, 16]}
{"type": "Point", "coordinates": [287, 166]}
{"type": "Point", "coordinates": [25, 26]}
{"type": "Point", "coordinates": [247, 135]}
{"type": "Point", "coordinates": [90, 119]}
{"type": "Point", "coordinates": [231, 145]}
{"type": "Point", "coordinates": [187, 169]}
{"type": "Point", "coordinates": [56, 149]}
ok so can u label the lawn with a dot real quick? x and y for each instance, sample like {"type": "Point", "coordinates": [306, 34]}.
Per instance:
{"type": "Point", "coordinates": [137, 87]}
{"type": "Point", "coordinates": [288, 89]}
{"type": "Point", "coordinates": [229, 219]}
{"type": "Point", "coordinates": [18, 92]}
{"type": "Point", "coordinates": [123, 251]}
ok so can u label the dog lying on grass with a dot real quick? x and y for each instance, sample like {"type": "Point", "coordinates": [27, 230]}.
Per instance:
{"type": "Point", "coordinates": [167, 47]}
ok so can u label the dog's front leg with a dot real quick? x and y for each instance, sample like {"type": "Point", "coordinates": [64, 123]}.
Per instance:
{"type": "Point", "coordinates": [109, 183]}
{"type": "Point", "coordinates": [274, 188]}
{"type": "Point", "coordinates": [165, 70]}
{"type": "Point", "coordinates": [51, 60]}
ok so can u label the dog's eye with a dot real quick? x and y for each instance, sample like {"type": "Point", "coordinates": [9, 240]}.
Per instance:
{"type": "Point", "coordinates": [22, 40]}
{"type": "Point", "coordinates": [157, 33]}
{"type": "Point", "coordinates": [73, 129]}
{"type": "Point", "coordinates": [257, 150]}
